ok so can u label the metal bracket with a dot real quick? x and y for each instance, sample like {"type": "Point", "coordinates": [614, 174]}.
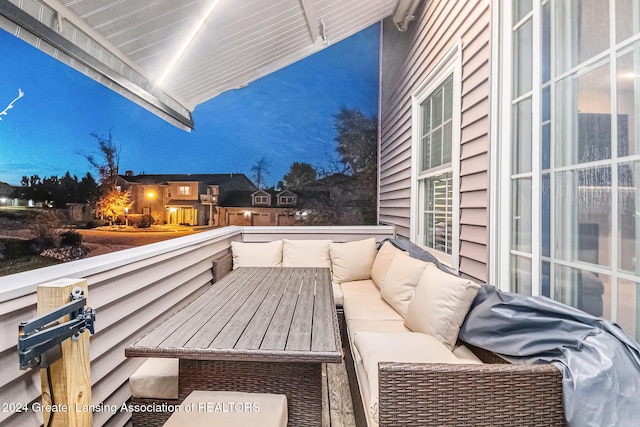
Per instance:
{"type": "Point", "coordinates": [39, 339]}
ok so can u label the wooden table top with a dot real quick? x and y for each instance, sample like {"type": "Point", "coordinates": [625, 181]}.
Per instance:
{"type": "Point", "coordinates": [253, 314]}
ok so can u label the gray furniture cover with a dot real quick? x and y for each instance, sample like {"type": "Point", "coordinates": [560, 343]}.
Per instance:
{"type": "Point", "coordinates": [600, 364]}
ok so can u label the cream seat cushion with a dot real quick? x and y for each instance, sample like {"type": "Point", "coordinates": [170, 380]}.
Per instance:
{"type": "Point", "coordinates": [382, 262]}
{"type": "Point", "coordinates": [440, 304]}
{"type": "Point", "coordinates": [367, 308]}
{"type": "Point", "coordinates": [400, 282]}
{"type": "Point", "coordinates": [409, 347]}
{"type": "Point", "coordinates": [156, 378]}
{"type": "Point", "coordinates": [306, 253]}
{"type": "Point", "coordinates": [337, 294]}
{"type": "Point", "coordinates": [352, 260]}
{"type": "Point", "coordinates": [230, 409]}
{"type": "Point", "coordinates": [360, 287]}
{"type": "Point", "coordinates": [356, 326]}
{"type": "Point", "coordinates": [257, 254]}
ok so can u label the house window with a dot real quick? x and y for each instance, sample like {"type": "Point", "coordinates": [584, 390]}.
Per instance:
{"type": "Point", "coordinates": [569, 147]}
{"type": "Point", "coordinates": [260, 200]}
{"type": "Point", "coordinates": [184, 190]}
{"type": "Point", "coordinates": [286, 200]}
{"type": "Point", "coordinates": [436, 165]}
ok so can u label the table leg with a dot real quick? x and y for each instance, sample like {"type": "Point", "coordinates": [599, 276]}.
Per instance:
{"type": "Point", "coordinates": [300, 382]}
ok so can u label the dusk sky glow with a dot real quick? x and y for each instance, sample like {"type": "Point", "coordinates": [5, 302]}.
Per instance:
{"type": "Point", "coordinates": [286, 116]}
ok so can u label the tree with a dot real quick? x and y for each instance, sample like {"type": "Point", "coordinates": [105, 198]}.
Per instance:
{"type": "Point", "coordinates": [114, 203]}
{"type": "Point", "coordinates": [111, 202]}
{"type": "Point", "coordinates": [88, 189]}
{"type": "Point", "coordinates": [300, 174]}
{"type": "Point", "coordinates": [357, 140]}
{"type": "Point", "coordinates": [106, 163]}
{"type": "Point", "coordinates": [260, 171]}
{"type": "Point", "coordinates": [354, 189]}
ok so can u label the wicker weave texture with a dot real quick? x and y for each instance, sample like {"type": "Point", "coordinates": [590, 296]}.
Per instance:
{"type": "Point", "coordinates": [300, 382]}
{"type": "Point", "coordinates": [151, 418]}
{"type": "Point", "coordinates": [470, 395]}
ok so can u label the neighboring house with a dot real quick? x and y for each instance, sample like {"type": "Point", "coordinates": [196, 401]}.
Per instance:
{"type": "Point", "coordinates": [7, 195]}
{"type": "Point", "coordinates": [181, 198]}
{"type": "Point", "coordinates": [261, 207]}
{"type": "Point", "coordinates": [509, 140]}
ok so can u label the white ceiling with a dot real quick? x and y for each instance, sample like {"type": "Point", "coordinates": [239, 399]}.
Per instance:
{"type": "Point", "coordinates": [128, 44]}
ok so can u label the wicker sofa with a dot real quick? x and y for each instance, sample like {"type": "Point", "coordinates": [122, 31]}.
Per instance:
{"type": "Point", "coordinates": [400, 318]}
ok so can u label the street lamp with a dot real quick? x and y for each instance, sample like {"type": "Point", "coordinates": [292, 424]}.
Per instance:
{"type": "Point", "coordinates": [126, 217]}
{"type": "Point", "coordinates": [150, 195]}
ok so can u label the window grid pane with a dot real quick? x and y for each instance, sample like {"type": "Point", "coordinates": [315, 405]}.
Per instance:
{"type": "Point", "coordinates": [435, 135]}
{"type": "Point", "coordinates": [438, 208]}
{"type": "Point", "coordinates": [586, 177]}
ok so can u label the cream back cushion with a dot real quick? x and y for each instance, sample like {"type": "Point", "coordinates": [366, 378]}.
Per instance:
{"type": "Point", "coordinates": [400, 282]}
{"type": "Point", "coordinates": [306, 253]}
{"type": "Point", "coordinates": [440, 304]}
{"type": "Point", "coordinates": [352, 260]}
{"type": "Point", "coordinates": [257, 254]}
{"type": "Point", "coordinates": [382, 262]}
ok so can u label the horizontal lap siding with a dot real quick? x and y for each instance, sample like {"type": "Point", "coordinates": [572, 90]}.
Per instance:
{"type": "Point", "coordinates": [407, 59]}
{"type": "Point", "coordinates": [129, 299]}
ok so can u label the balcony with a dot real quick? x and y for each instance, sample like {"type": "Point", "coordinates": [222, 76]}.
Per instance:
{"type": "Point", "coordinates": [132, 291]}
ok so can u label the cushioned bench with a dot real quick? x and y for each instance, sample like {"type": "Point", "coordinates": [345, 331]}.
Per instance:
{"type": "Point", "coordinates": [230, 409]}
{"type": "Point", "coordinates": [400, 313]}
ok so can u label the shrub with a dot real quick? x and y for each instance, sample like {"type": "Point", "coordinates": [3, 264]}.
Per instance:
{"type": "Point", "coordinates": [145, 221]}
{"type": "Point", "coordinates": [71, 238]}
{"type": "Point", "coordinates": [46, 224]}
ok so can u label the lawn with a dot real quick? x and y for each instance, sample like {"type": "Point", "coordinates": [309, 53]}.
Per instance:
{"type": "Point", "coordinates": [20, 258]}
{"type": "Point", "coordinates": [25, 263]}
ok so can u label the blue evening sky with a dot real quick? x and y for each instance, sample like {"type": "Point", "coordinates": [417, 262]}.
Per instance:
{"type": "Point", "coordinates": [285, 117]}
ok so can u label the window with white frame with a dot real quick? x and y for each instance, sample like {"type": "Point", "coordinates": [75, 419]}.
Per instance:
{"type": "Point", "coordinates": [260, 200]}
{"type": "Point", "coordinates": [287, 200]}
{"type": "Point", "coordinates": [570, 149]}
{"type": "Point", "coordinates": [436, 120]}
{"type": "Point", "coordinates": [184, 190]}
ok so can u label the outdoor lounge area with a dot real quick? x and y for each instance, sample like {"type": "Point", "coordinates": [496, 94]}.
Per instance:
{"type": "Point", "coordinates": [403, 363]}
{"type": "Point", "coordinates": [507, 154]}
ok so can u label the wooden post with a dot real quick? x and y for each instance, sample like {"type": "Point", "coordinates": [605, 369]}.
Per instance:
{"type": "Point", "coordinates": [70, 375]}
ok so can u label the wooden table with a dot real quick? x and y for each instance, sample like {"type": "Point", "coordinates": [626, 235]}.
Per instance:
{"type": "Point", "coordinates": [259, 329]}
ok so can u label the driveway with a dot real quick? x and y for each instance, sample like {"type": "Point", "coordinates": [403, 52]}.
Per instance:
{"type": "Point", "coordinates": [104, 241]}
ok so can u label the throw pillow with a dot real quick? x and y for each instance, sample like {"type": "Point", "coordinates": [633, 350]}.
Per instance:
{"type": "Point", "coordinates": [257, 254]}
{"type": "Point", "coordinates": [306, 253]}
{"type": "Point", "coordinates": [440, 304]}
{"type": "Point", "coordinates": [382, 262]}
{"type": "Point", "coordinates": [400, 282]}
{"type": "Point", "coordinates": [352, 260]}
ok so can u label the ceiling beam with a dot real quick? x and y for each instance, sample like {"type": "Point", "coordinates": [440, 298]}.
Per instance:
{"type": "Point", "coordinates": [313, 23]}
{"type": "Point", "coordinates": [76, 21]}
{"type": "Point", "coordinates": [144, 95]}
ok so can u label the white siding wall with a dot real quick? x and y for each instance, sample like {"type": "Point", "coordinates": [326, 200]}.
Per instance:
{"type": "Point", "coordinates": [132, 291]}
{"type": "Point", "coordinates": [407, 58]}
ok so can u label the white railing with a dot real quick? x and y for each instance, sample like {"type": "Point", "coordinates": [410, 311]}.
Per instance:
{"type": "Point", "coordinates": [132, 291]}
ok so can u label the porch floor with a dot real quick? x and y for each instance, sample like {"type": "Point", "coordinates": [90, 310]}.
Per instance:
{"type": "Point", "coordinates": [337, 406]}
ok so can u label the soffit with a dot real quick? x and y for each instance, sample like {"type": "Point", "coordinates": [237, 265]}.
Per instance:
{"type": "Point", "coordinates": [128, 44]}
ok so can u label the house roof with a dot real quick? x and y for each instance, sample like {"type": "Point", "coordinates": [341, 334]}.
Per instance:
{"type": "Point", "coordinates": [227, 182]}
{"type": "Point", "coordinates": [158, 54]}
{"type": "Point", "coordinates": [310, 199]}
